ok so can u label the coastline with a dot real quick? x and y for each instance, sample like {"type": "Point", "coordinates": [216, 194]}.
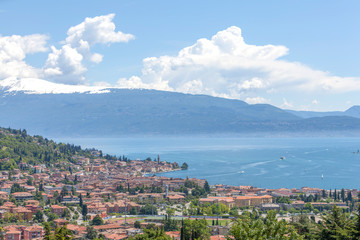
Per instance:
{"type": "Point", "coordinates": [146, 174]}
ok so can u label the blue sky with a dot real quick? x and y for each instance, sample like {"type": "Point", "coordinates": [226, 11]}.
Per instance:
{"type": "Point", "coordinates": [311, 61]}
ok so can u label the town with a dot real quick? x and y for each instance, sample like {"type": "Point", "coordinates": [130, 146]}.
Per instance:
{"type": "Point", "coordinates": [92, 196]}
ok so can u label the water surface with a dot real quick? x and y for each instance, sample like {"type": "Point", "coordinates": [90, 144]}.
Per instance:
{"type": "Point", "coordinates": [247, 161]}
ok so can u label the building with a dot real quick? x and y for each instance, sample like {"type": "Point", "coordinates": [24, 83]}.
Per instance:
{"type": "Point", "coordinates": [227, 201]}
{"type": "Point", "coordinates": [22, 196]}
{"type": "Point", "coordinates": [245, 201]}
{"type": "Point", "coordinates": [32, 232]}
{"type": "Point", "coordinates": [58, 210]}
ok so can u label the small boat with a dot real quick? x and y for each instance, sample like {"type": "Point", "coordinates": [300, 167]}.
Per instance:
{"type": "Point", "coordinates": [282, 158]}
{"type": "Point", "coordinates": [322, 176]}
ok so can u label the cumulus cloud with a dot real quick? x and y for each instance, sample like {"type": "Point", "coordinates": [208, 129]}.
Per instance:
{"type": "Point", "coordinates": [227, 66]}
{"type": "Point", "coordinates": [13, 50]}
{"type": "Point", "coordinates": [66, 65]}
{"type": "Point", "coordinates": [99, 29]}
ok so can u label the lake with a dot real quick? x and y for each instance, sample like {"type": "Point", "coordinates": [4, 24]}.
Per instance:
{"type": "Point", "coordinates": [262, 162]}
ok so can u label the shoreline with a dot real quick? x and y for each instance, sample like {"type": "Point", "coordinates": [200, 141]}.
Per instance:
{"type": "Point", "coordinates": [154, 173]}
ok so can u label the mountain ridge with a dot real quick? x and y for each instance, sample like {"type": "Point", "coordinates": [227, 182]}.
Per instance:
{"type": "Point", "coordinates": [119, 112]}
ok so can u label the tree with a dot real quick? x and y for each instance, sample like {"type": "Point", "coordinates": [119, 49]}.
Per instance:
{"type": "Point", "coordinates": [349, 197]}
{"type": "Point", "coordinates": [335, 225]}
{"type": "Point", "coordinates": [324, 193]}
{"type": "Point", "coordinates": [97, 221]}
{"type": "Point", "coordinates": [17, 188]}
{"type": "Point", "coordinates": [63, 233]}
{"type": "Point", "coordinates": [156, 233]}
{"type": "Point", "coordinates": [304, 226]}
{"type": "Point", "coordinates": [133, 211]}
{"type": "Point", "coordinates": [1, 233]}
{"type": "Point", "coordinates": [84, 211]}
{"type": "Point", "coordinates": [308, 206]}
{"type": "Point", "coordinates": [184, 166]}
{"type": "Point", "coordinates": [356, 232]}
{"type": "Point", "coordinates": [29, 182]}
{"type": "Point", "coordinates": [342, 195]}
{"type": "Point", "coordinates": [252, 226]}
{"type": "Point", "coordinates": [47, 229]}
{"type": "Point", "coordinates": [52, 217]}
{"type": "Point", "coordinates": [137, 224]}
{"type": "Point", "coordinates": [196, 229]}
{"type": "Point", "coordinates": [80, 200]}
{"type": "Point", "coordinates": [169, 223]}
{"type": "Point", "coordinates": [90, 232]}
{"type": "Point", "coordinates": [207, 187]}
{"type": "Point", "coordinates": [39, 216]}
{"type": "Point", "coordinates": [66, 213]}
{"type": "Point", "coordinates": [64, 191]}
{"type": "Point", "coordinates": [148, 209]}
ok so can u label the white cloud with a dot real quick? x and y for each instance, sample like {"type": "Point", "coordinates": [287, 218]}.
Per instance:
{"type": "Point", "coordinates": [287, 104]}
{"type": "Point", "coordinates": [256, 100]}
{"type": "Point", "coordinates": [315, 102]}
{"type": "Point", "coordinates": [226, 66]}
{"type": "Point", "coordinates": [96, 58]}
{"type": "Point", "coordinates": [100, 29]}
{"type": "Point", "coordinates": [66, 65]}
{"type": "Point", "coordinates": [13, 50]}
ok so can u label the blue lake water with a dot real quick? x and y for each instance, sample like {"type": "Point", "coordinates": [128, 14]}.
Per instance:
{"type": "Point", "coordinates": [247, 161]}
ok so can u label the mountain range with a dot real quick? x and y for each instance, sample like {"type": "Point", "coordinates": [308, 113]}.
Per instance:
{"type": "Point", "coordinates": [57, 110]}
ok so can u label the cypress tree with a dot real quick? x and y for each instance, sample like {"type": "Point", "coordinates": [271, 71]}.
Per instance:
{"type": "Point", "coordinates": [349, 197]}
{"type": "Point", "coordinates": [80, 200]}
{"type": "Point", "coordinates": [343, 195]}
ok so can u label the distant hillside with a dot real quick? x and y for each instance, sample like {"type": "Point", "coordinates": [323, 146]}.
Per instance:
{"type": "Point", "coordinates": [132, 112]}
{"type": "Point", "coordinates": [351, 112]}
{"type": "Point", "coordinates": [137, 112]}
{"type": "Point", "coordinates": [17, 146]}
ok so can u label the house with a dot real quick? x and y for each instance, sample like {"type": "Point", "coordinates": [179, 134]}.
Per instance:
{"type": "Point", "coordinates": [18, 232]}
{"type": "Point", "coordinates": [32, 232]}
{"type": "Point", "coordinates": [218, 237]}
{"type": "Point", "coordinates": [269, 206]}
{"type": "Point", "coordinates": [228, 201]}
{"type": "Point", "coordinates": [174, 235]}
{"type": "Point", "coordinates": [58, 210]}
{"type": "Point", "coordinates": [175, 198]}
{"type": "Point", "coordinates": [5, 188]}
{"type": "Point", "coordinates": [12, 232]}
{"type": "Point", "coordinates": [251, 200]}
{"type": "Point", "coordinates": [60, 222]}
{"type": "Point", "coordinates": [4, 195]}
{"type": "Point", "coordinates": [22, 213]}
{"type": "Point", "coordinates": [22, 196]}
{"type": "Point", "coordinates": [76, 229]}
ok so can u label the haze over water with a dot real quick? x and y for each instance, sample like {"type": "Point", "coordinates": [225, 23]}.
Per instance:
{"type": "Point", "coordinates": [247, 161]}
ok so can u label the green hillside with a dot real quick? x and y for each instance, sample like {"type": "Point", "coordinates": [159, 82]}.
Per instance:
{"type": "Point", "coordinates": [17, 146]}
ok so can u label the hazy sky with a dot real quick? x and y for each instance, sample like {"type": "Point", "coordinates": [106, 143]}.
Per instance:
{"type": "Point", "coordinates": [292, 54]}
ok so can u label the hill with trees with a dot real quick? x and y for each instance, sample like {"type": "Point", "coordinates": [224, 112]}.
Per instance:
{"type": "Point", "coordinates": [16, 147]}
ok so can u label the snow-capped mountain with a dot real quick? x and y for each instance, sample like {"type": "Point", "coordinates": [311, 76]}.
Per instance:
{"type": "Point", "coordinates": [51, 109]}
{"type": "Point", "coordinates": [39, 86]}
